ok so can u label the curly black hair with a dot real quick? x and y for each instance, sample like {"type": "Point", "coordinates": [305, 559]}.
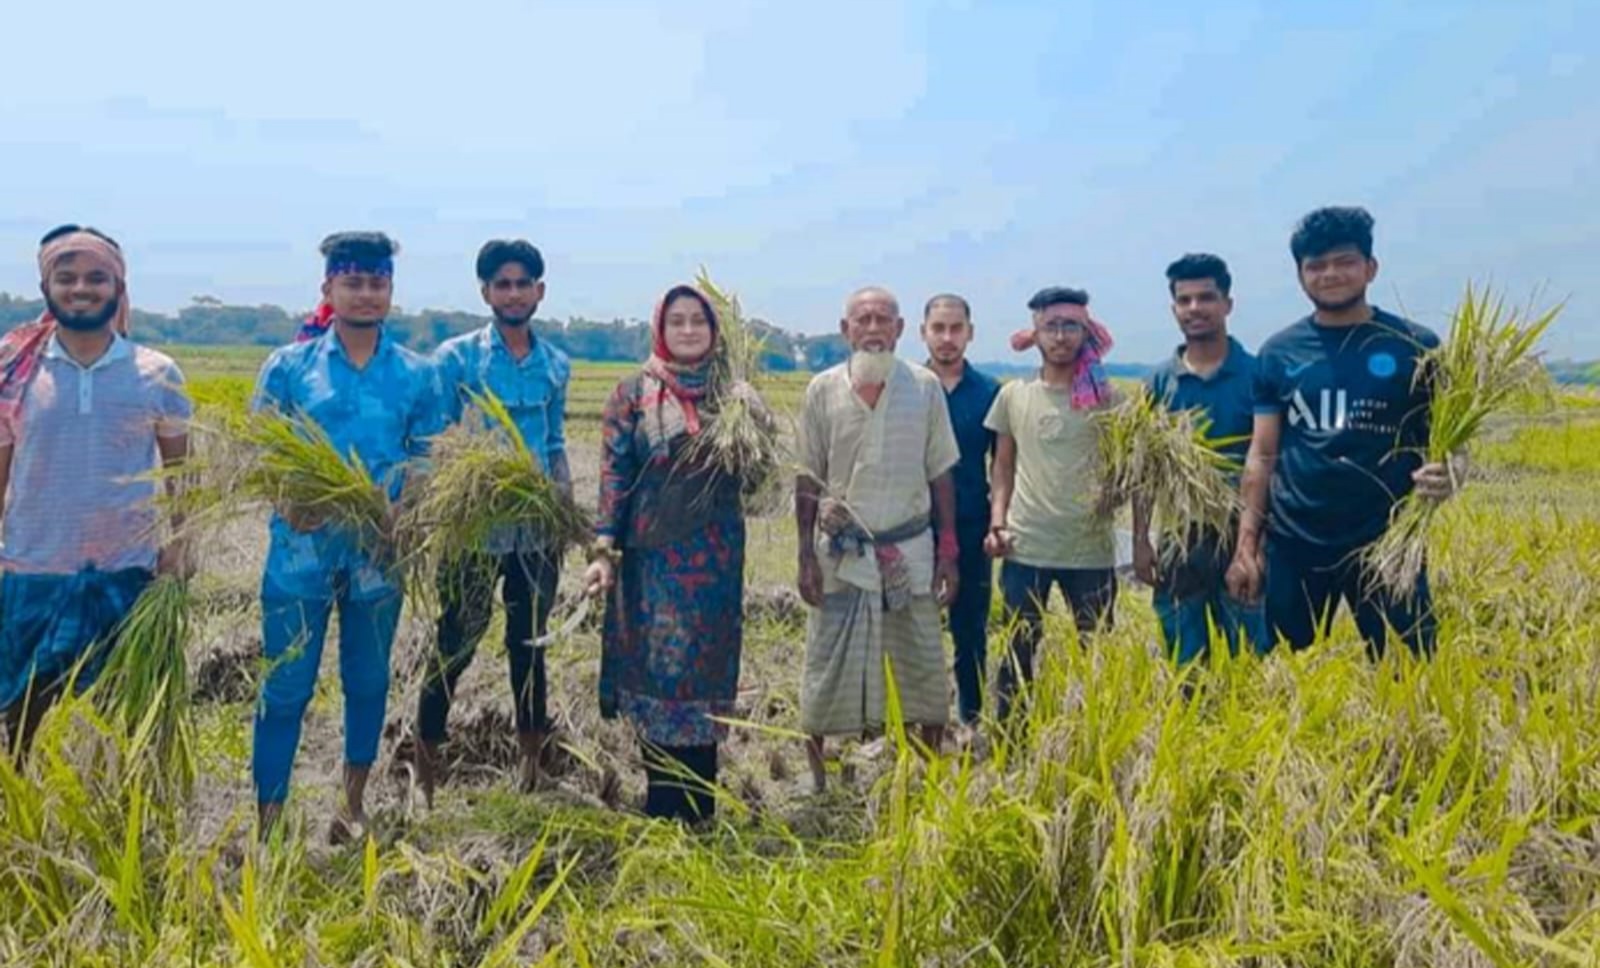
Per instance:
{"type": "Point", "coordinates": [358, 247]}
{"type": "Point", "coordinates": [1331, 228]}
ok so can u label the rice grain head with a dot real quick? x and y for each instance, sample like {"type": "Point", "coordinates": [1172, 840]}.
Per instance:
{"type": "Point", "coordinates": [1166, 459]}
{"type": "Point", "coordinates": [1486, 365]}
{"type": "Point", "coordinates": [741, 436]}
{"type": "Point", "coordinates": [482, 479]}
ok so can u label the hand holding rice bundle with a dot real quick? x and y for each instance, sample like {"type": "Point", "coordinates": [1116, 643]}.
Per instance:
{"type": "Point", "coordinates": [301, 473]}
{"type": "Point", "coordinates": [1486, 365]}
{"type": "Point", "coordinates": [483, 478]}
{"type": "Point", "coordinates": [1164, 460]}
{"type": "Point", "coordinates": [741, 433]}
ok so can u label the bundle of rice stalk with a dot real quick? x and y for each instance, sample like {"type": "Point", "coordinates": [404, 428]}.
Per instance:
{"type": "Point", "coordinates": [484, 478]}
{"type": "Point", "coordinates": [203, 494]}
{"type": "Point", "coordinates": [740, 436]}
{"type": "Point", "coordinates": [145, 683]}
{"type": "Point", "coordinates": [298, 470]}
{"type": "Point", "coordinates": [1484, 366]}
{"type": "Point", "coordinates": [1166, 460]}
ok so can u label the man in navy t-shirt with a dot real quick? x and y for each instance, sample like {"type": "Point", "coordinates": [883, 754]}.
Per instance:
{"type": "Point", "coordinates": [947, 329]}
{"type": "Point", "coordinates": [1213, 373]}
{"type": "Point", "coordinates": [1340, 424]}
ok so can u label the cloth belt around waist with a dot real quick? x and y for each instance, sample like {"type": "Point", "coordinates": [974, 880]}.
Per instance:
{"type": "Point", "coordinates": [855, 538]}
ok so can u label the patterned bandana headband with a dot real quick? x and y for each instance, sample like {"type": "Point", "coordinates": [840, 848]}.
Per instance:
{"type": "Point", "coordinates": [351, 267]}
{"type": "Point", "coordinates": [321, 318]}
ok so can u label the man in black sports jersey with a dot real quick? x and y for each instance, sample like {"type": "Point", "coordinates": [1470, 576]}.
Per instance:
{"type": "Point", "coordinates": [1340, 426]}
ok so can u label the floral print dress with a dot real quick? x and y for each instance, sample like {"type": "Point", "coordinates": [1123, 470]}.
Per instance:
{"type": "Point", "coordinates": [674, 620]}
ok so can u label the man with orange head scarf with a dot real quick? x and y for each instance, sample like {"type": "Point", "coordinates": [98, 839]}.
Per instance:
{"type": "Point", "coordinates": [85, 418]}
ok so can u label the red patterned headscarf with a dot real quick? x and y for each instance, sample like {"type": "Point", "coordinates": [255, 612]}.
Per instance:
{"type": "Point", "coordinates": [1090, 385]}
{"type": "Point", "coordinates": [671, 384]}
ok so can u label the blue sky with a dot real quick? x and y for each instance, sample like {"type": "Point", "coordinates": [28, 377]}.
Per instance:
{"type": "Point", "coordinates": [801, 150]}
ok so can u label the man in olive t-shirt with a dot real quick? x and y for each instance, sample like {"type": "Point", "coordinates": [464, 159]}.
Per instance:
{"type": "Point", "coordinates": [1046, 518]}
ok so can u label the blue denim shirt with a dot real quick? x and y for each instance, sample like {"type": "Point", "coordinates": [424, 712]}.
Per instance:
{"type": "Point", "coordinates": [385, 412]}
{"type": "Point", "coordinates": [969, 402]}
{"type": "Point", "coordinates": [534, 390]}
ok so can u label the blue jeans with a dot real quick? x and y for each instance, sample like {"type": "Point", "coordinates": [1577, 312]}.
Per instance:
{"type": "Point", "coordinates": [293, 631]}
{"type": "Point", "coordinates": [1091, 593]}
{"type": "Point", "coordinates": [1186, 623]}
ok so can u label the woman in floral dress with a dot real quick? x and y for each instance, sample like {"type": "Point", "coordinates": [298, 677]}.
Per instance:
{"type": "Point", "coordinates": [669, 555]}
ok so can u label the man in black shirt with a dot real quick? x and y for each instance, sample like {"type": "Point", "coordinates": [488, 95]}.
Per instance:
{"type": "Point", "coordinates": [947, 329]}
{"type": "Point", "coordinates": [1340, 424]}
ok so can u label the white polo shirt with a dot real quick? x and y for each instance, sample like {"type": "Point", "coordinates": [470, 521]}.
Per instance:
{"type": "Point", "coordinates": [83, 446]}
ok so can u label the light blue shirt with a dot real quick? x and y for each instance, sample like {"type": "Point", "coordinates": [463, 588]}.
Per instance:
{"type": "Point", "coordinates": [385, 412]}
{"type": "Point", "coordinates": [534, 390]}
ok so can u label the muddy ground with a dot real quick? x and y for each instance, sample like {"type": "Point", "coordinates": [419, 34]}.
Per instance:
{"type": "Point", "coordinates": [594, 762]}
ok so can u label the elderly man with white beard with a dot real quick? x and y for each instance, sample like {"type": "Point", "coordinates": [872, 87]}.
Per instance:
{"type": "Point", "coordinates": [876, 451]}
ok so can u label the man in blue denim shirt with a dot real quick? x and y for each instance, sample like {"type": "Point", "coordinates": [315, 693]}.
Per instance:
{"type": "Point", "coordinates": [968, 393]}
{"type": "Point", "coordinates": [530, 377]}
{"type": "Point", "coordinates": [374, 397]}
{"type": "Point", "coordinates": [1213, 373]}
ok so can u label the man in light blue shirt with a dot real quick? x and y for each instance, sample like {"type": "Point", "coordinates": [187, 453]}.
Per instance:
{"type": "Point", "coordinates": [382, 401]}
{"type": "Point", "coordinates": [530, 377]}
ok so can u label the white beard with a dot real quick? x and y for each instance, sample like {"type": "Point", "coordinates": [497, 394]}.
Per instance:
{"type": "Point", "coordinates": [871, 369]}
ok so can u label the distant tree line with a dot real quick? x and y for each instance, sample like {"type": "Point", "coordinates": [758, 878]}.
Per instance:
{"type": "Point", "coordinates": [207, 321]}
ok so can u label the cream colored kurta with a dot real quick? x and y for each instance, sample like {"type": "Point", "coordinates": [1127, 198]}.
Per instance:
{"type": "Point", "coordinates": [880, 461]}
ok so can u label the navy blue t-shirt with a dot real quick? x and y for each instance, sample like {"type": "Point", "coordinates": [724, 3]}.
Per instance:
{"type": "Point", "coordinates": [1354, 421]}
{"type": "Point", "coordinates": [969, 402]}
{"type": "Point", "coordinates": [1226, 396]}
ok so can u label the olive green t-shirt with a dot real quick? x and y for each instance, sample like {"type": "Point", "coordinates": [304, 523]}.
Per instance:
{"type": "Point", "coordinates": [1052, 513]}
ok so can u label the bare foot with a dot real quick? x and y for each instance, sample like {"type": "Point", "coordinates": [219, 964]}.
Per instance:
{"type": "Point", "coordinates": [819, 765]}
{"type": "Point", "coordinates": [267, 819]}
{"type": "Point", "coordinates": [611, 788]}
{"type": "Point", "coordinates": [427, 769]}
{"type": "Point", "coordinates": [348, 829]}
{"type": "Point", "coordinates": [531, 750]}
{"type": "Point", "coordinates": [528, 773]}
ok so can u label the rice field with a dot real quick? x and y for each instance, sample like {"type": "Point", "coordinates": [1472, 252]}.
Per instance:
{"type": "Point", "coordinates": [1302, 810]}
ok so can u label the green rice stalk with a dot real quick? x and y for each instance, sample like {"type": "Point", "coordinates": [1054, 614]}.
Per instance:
{"type": "Point", "coordinates": [1168, 460]}
{"type": "Point", "coordinates": [196, 499]}
{"type": "Point", "coordinates": [483, 478]}
{"type": "Point", "coordinates": [146, 682]}
{"type": "Point", "coordinates": [1487, 365]}
{"type": "Point", "coordinates": [740, 436]}
{"type": "Point", "coordinates": [300, 471]}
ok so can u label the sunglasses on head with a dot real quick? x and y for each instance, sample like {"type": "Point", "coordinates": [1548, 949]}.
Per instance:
{"type": "Point", "coordinates": [69, 228]}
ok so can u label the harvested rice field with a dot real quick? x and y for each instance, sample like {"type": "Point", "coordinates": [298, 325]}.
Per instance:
{"type": "Point", "coordinates": [1313, 809]}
